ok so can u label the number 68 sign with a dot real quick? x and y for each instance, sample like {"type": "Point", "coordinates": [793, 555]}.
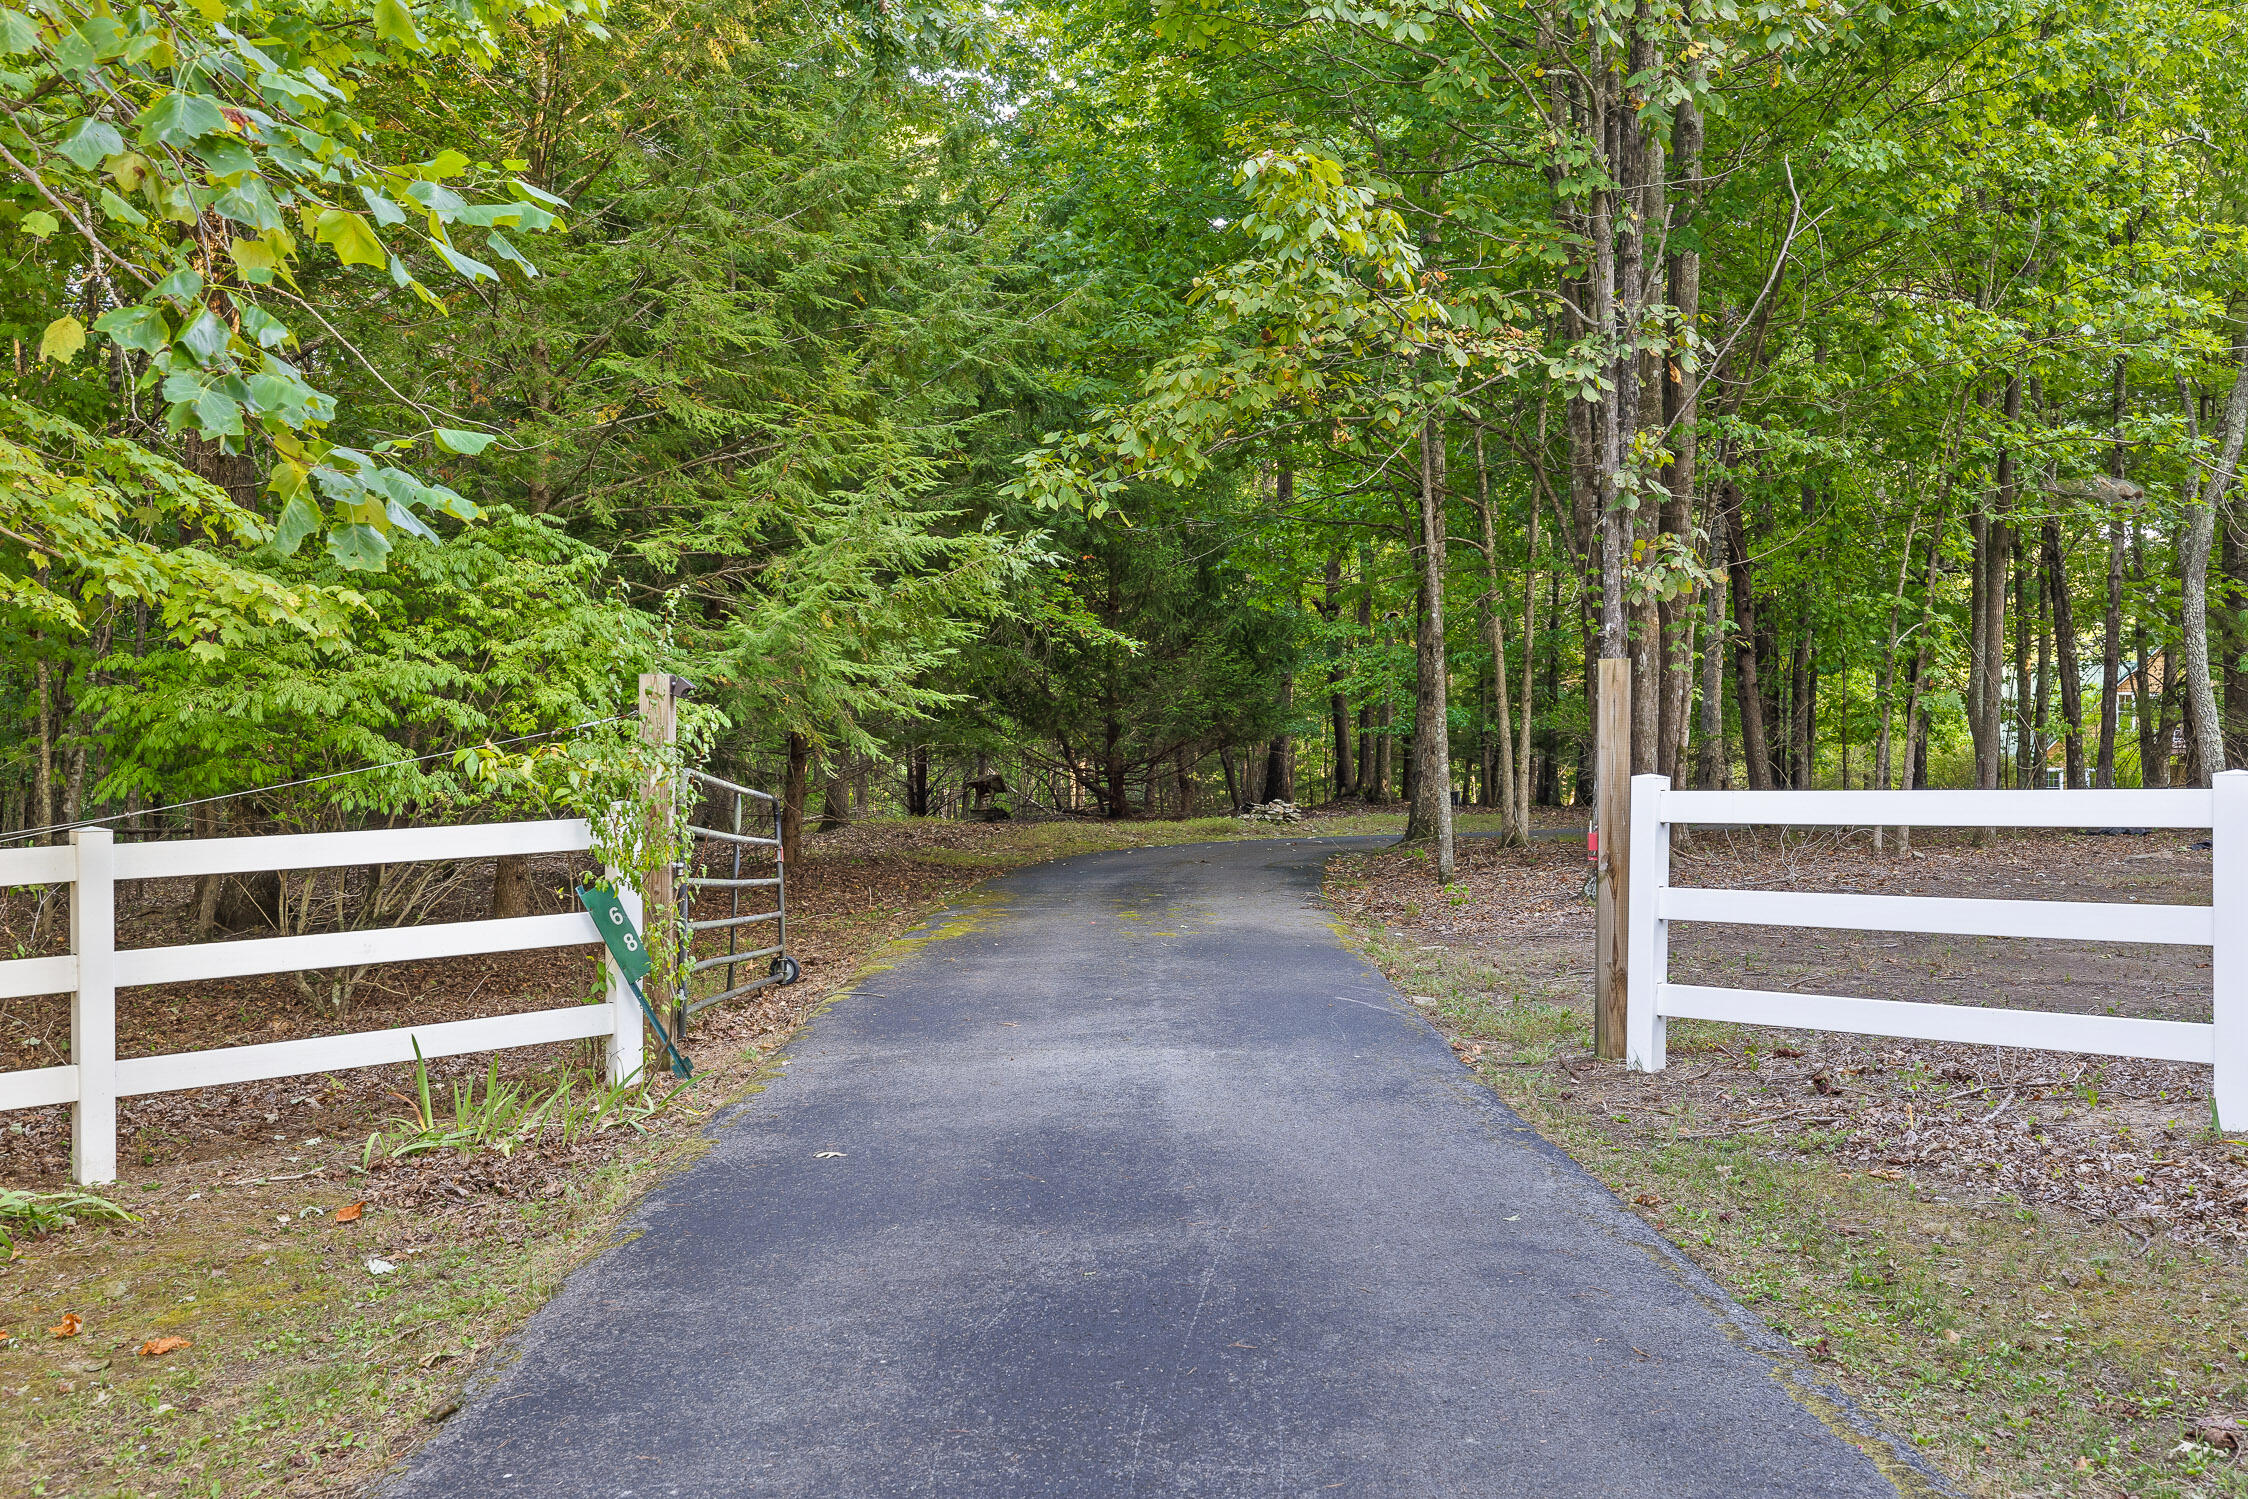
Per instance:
{"type": "Point", "coordinates": [617, 930]}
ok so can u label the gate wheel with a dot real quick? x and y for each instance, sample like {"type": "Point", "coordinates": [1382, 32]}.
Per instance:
{"type": "Point", "coordinates": [787, 968]}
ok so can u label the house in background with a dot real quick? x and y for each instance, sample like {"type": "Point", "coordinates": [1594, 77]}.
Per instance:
{"type": "Point", "coordinates": [2141, 682]}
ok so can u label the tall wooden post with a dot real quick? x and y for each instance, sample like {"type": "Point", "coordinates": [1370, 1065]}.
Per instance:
{"type": "Point", "coordinates": [1612, 803]}
{"type": "Point", "coordinates": [659, 727]}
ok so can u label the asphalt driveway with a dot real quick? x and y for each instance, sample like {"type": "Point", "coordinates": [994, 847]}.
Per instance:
{"type": "Point", "coordinates": [1131, 1180]}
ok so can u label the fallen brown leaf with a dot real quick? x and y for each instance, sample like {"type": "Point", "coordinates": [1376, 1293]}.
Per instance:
{"type": "Point", "coordinates": [350, 1212]}
{"type": "Point", "coordinates": [2221, 1432]}
{"type": "Point", "coordinates": [1648, 1200]}
{"type": "Point", "coordinates": [69, 1325]}
{"type": "Point", "coordinates": [158, 1347]}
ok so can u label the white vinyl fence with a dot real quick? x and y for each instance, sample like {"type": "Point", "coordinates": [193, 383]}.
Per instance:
{"type": "Point", "coordinates": [95, 968]}
{"type": "Point", "coordinates": [2222, 926]}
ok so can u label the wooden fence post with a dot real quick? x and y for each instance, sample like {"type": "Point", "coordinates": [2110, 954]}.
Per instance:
{"type": "Point", "coordinates": [93, 1007]}
{"type": "Point", "coordinates": [1612, 797]}
{"type": "Point", "coordinates": [2228, 954]}
{"type": "Point", "coordinates": [659, 727]}
{"type": "Point", "coordinates": [1649, 934]}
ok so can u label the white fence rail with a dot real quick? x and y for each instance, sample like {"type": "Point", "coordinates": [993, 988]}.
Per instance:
{"type": "Point", "coordinates": [95, 969]}
{"type": "Point", "coordinates": [2221, 926]}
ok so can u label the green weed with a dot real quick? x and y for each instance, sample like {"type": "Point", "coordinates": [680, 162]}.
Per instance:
{"type": "Point", "coordinates": [41, 1213]}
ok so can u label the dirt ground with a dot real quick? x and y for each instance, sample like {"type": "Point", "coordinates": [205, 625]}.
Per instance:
{"type": "Point", "coordinates": [2030, 1262]}
{"type": "Point", "coordinates": [2071, 1219]}
{"type": "Point", "coordinates": [332, 1308]}
{"type": "Point", "coordinates": [2114, 1138]}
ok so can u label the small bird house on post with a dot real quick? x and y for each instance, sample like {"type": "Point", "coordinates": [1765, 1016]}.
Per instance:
{"type": "Point", "coordinates": [1612, 806]}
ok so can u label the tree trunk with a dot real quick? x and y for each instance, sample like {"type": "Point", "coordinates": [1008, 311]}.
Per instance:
{"type": "Point", "coordinates": [1755, 745]}
{"type": "Point", "coordinates": [1430, 817]}
{"type": "Point", "coordinates": [1280, 768]}
{"type": "Point", "coordinates": [511, 886]}
{"type": "Point", "coordinates": [2143, 690]}
{"type": "Point", "coordinates": [44, 782]}
{"type": "Point", "coordinates": [1710, 763]}
{"type": "Point", "coordinates": [2028, 730]}
{"type": "Point", "coordinates": [835, 805]}
{"type": "Point", "coordinates": [794, 784]}
{"type": "Point", "coordinates": [2111, 661]}
{"type": "Point", "coordinates": [1987, 608]}
{"type": "Point", "coordinates": [917, 782]}
{"type": "Point", "coordinates": [2233, 633]}
{"type": "Point", "coordinates": [2193, 570]}
{"type": "Point", "coordinates": [1802, 751]}
{"type": "Point", "coordinates": [1681, 400]}
{"type": "Point", "coordinates": [1529, 666]}
{"type": "Point", "coordinates": [1338, 710]}
{"type": "Point", "coordinates": [2166, 720]}
{"type": "Point", "coordinates": [2064, 642]}
{"type": "Point", "coordinates": [1385, 752]}
{"type": "Point", "coordinates": [1885, 689]}
{"type": "Point", "coordinates": [1513, 820]}
{"type": "Point", "coordinates": [1116, 795]}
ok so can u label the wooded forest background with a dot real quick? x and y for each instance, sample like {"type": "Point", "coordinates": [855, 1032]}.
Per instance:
{"type": "Point", "coordinates": [1164, 406]}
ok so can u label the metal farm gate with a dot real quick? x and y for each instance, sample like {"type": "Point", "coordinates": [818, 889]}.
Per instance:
{"type": "Point", "coordinates": [704, 892]}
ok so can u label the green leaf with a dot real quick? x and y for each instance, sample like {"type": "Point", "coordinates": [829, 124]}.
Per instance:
{"type": "Point", "coordinates": [472, 269]}
{"type": "Point", "coordinates": [177, 119]}
{"type": "Point", "coordinates": [386, 212]}
{"type": "Point", "coordinates": [353, 241]}
{"type": "Point", "coordinates": [64, 337]}
{"type": "Point", "coordinates": [446, 163]}
{"type": "Point", "coordinates": [299, 518]}
{"type": "Point", "coordinates": [117, 208]}
{"type": "Point", "coordinates": [74, 53]}
{"type": "Point", "coordinates": [248, 202]}
{"type": "Point", "coordinates": [436, 197]}
{"type": "Point", "coordinates": [540, 193]}
{"type": "Point", "coordinates": [452, 440]}
{"type": "Point", "coordinates": [225, 156]}
{"type": "Point", "coordinates": [358, 547]}
{"type": "Point", "coordinates": [183, 288]}
{"type": "Point", "coordinates": [256, 259]}
{"type": "Point", "coordinates": [269, 331]}
{"type": "Point", "coordinates": [218, 414]}
{"type": "Point", "coordinates": [139, 328]}
{"type": "Point", "coordinates": [17, 33]}
{"type": "Point", "coordinates": [499, 245]}
{"type": "Point", "coordinates": [90, 142]}
{"type": "Point", "coordinates": [395, 23]}
{"type": "Point", "coordinates": [405, 520]}
{"type": "Point", "coordinates": [206, 337]}
{"type": "Point", "coordinates": [38, 223]}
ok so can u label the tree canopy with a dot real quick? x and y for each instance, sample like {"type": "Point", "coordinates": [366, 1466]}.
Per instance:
{"type": "Point", "coordinates": [1167, 404]}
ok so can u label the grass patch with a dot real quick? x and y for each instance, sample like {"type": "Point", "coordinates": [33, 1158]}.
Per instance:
{"type": "Point", "coordinates": [304, 1372]}
{"type": "Point", "coordinates": [2025, 1351]}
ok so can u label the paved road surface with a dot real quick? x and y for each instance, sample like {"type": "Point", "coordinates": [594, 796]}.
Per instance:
{"type": "Point", "coordinates": [1145, 1187]}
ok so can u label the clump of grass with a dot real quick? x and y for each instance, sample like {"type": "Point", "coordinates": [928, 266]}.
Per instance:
{"type": "Point", "coordinates": [506, 1115]}
{"type": "Point", "coordinates": [41, 1213]}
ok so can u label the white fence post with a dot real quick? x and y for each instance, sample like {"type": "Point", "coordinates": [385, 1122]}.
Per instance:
{"type": "Point", "coordinates": [1648, 950]}
{"type": "Point", "coordinates": [2228, 954]}
{"type": "Point", "coordinates": [93, 1007]}
{"type": "Point", "coordinates": [625, 1024]}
